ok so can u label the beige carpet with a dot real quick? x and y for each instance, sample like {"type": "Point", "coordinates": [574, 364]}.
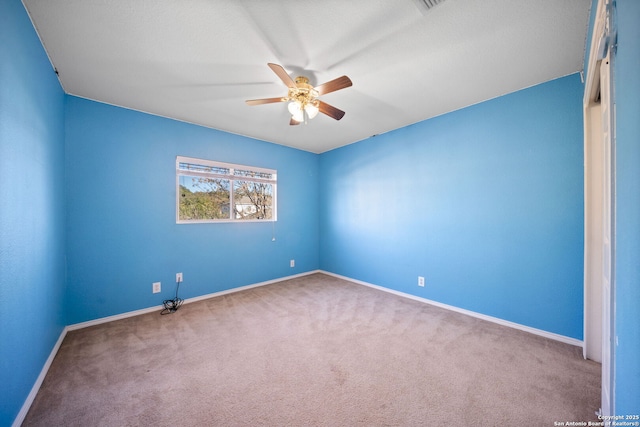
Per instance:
{"type": "Point", "coordinates": [313, 351]}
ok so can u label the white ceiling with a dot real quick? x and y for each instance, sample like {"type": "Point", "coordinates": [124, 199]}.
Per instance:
{"type": "Point", "coordinates": [199, 60]}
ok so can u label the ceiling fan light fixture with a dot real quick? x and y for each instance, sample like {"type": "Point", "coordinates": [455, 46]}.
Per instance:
{"type": "Point", "coordinates": [294, 107]}
{"type": "Point", "coordinates": [303, 104]}
{"type": "Point", "coordinates": [299, 117]}
{"type": "Point", "coordinates": [297, 113]}
{"type": "Point", "coordinates": [311, 110]}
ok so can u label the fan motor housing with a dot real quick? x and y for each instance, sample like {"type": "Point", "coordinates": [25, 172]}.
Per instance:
{"type": "Point", "coordinates": [304, 92]}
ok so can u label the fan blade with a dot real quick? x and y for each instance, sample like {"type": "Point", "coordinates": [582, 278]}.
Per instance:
{"type": "Point", "coordinates": [293, 122]}
{"type": "Point", "coordinates": [330, 110]}
{"type": "Point", "coordinates": [333, 85]}
{"type": "Point", "coordinates": [286, 79]}
{"type": "Point", "coordinates": [264, 101]}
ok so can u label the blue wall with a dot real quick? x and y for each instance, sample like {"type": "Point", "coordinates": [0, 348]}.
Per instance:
{"type": "Point", "coordinates": [122, 232]}
{"type": "Point", "coordinates": [32, 208]}
{"type": "Point", "coordinates": [486, 203]}
{"type": "Point", "coordinates": [627, 271]}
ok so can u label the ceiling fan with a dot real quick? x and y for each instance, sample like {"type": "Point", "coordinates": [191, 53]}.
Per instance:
{"type": "Point", "coordinates": [303, 98]}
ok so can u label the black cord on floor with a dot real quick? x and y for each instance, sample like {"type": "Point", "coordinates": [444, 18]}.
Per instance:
{"type": "Point", "coordinates": [172, 305]}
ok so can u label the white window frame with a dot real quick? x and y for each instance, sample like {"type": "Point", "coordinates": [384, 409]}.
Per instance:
{"type": "Point", "coordinates": [231, 177]}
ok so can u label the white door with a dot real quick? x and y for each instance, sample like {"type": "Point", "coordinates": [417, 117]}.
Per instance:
{"type": "Point", "coordinates": [599, 273]}
{"type": "Point", "coordinates": [607, 246]}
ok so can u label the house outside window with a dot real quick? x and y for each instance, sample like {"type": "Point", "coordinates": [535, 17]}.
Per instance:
{"type": "Point", "coordinates": [211, 191]}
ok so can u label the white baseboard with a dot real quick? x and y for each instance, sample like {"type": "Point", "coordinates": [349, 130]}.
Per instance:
{"type": "Point", "coordinates": [36, 387]}
{"type": "Point", "coordinates": [540, 332]}
{"type": "Point", "coordinates": [186, 301]}
{"type": "Point", "coordinates": [244, 288]}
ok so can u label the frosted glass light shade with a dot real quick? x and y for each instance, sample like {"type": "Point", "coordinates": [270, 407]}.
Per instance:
{"type": "Point", "coordinates": [294, 108]}
{"type": "Point", "coordinates": [298, 117]}
{"type": "Point", "coordinates": [296, 112]}
{"type": "Point", "coordinates": [311, 110]}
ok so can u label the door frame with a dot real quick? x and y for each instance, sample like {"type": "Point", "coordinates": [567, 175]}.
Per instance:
{"type": "Point", "coordinates": [599, 170]}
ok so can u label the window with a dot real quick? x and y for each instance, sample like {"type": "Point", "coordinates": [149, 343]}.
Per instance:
{"type": "Point", "coordinates": [208, 191]}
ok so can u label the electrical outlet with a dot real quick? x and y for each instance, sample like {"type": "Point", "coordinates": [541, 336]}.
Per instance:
{"type": "Point", "coordinates": [156, 287]}
{"type": "Point", "coordinates": [421, 281]}
{"type": "Point", "coordinates": [292, 263]}
{"type": "Point", "coordinates": [179, 277]}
